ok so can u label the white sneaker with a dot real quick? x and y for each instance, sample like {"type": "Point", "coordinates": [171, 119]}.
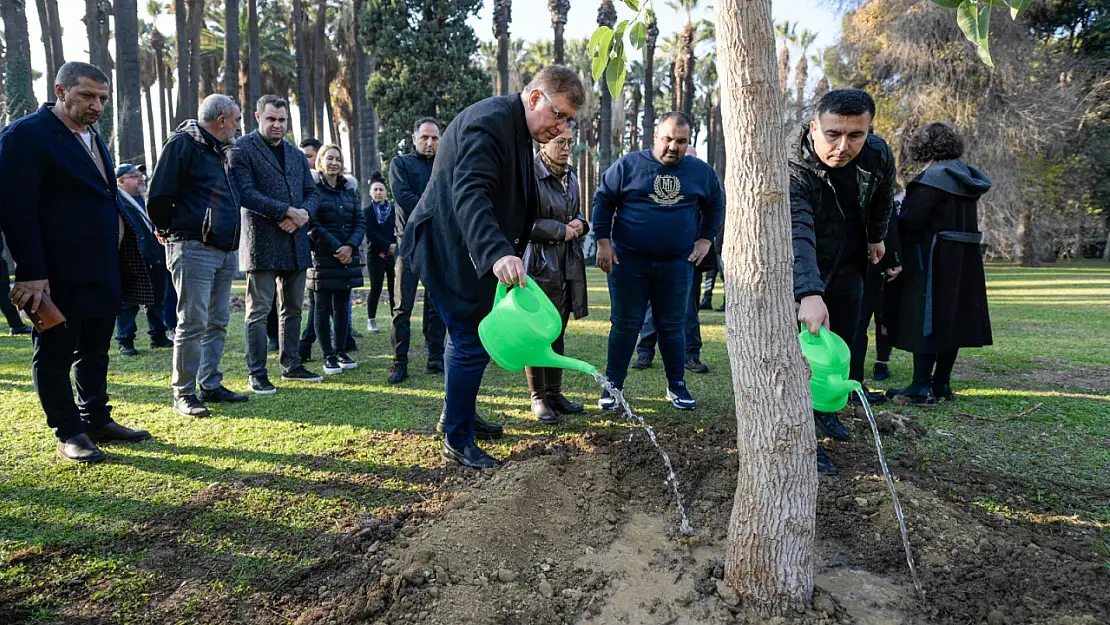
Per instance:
{"type": "Point", "coordinates": [372, 326]}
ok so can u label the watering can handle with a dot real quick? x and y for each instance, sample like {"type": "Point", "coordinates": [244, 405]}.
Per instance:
{"type": "Point", "coordinates": [503, 290]}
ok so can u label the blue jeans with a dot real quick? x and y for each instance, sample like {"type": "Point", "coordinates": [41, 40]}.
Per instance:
{"type": "Point", "coordinates": [466, 361]}
{"type": "Point", "coordinates": [126, 328]}
{"type": "Point", "coordinates": [648, 336]}
{"type": "Point", "coordinates": [633, 285]}
{"type": "Point", "coordinates": [202, 278]}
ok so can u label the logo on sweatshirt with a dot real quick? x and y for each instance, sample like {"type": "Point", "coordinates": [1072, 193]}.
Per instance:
{"type": "Point", "coordinates": [668, 190]}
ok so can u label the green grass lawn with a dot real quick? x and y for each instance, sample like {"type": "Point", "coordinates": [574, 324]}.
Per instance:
{"type": "Point", "coordinates": [258, 492]}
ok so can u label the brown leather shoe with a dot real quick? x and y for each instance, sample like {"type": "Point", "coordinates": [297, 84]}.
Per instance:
{"type": "Point", "coordinates": [80, 448]}
{"type": "Point", "coordinates": [113, 431]}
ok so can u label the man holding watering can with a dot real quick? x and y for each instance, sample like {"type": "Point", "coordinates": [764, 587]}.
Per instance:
{"type": "Point", "coordinates": [471, 227]}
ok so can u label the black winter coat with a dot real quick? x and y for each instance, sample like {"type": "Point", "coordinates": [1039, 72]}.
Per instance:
{"type": "Point", "coordinates": [557, 266]}
{"type": "Point", "coordinates": [941, 294]}
{"type": "Point", "coordinates": [339, 222]}
{"type": "Point", "coordinates": [818, 221]}
{"type": "Point", "coordinates": [379, 236]}
{"type": "Point", "coordinates": [478, 208]}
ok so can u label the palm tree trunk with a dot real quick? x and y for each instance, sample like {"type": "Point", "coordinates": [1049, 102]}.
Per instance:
{"type": "Point", "coordinates": [502, 17]}
{"type": "Point", "coordinates": [720, 160]}
{"type": "Point", "coordinates": [129, 103]}
{"type": "Point", "coordinates": [55, 37]}
{"type": "Point", "coordinates": [167, 101]}
{"type": "Point", "coordinates": [19, 95]}
{"type": "Point", "coordinates": [303, 104]}
{"type": "Point", "coordinates": [182, 25]}
{"type": "Point", "coordinates": [231, 48]}
{"type": "Point", "coordinates": [150, 127]}
{"type": "Point", "coordinates": [369, 160]}
{"type": "Point", "coordinates": [48, 46]}
{"type": "Point", "coordinates": [769, 558]}
{"type": "Point", "coordinates": [801, 76]}
{"type": "Point", "coordinates": [649, 83]}
{"type": "Point", "coordinates": [92, 29]}
{"type": "Point", "coordinates": [559, 10]}
{"type": "Point", "coordinates": [254, 68]}
{"type": "Point", "coordinates": [606, 16]}
{"type": "Point", "coordinates": [319, 80]}
{"type": "Point", "coordinates": [333, 122]}
{"type": "Point", "coordinates": [634, 126]}
{"type": "Point", "coordinates": [710, 130]}
{"type": "Point", "coordinates": [196, 21]}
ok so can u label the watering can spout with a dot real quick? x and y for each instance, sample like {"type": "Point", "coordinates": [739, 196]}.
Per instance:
{"type": "Point", "coordinates": [846, 386]}
{"type": "Point", "coordinates": [551, 359]}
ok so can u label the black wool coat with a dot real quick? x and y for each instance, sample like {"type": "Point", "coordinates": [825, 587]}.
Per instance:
{"type": "Point", "coordinates": [941, 295]}
{"type": "Point", "coordinates": [479, 206]}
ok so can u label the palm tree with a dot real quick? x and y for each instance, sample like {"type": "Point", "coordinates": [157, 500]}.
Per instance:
{"type": "Point", "coordinates": [51, 41]}
{"type": "Point", "coordinates": [559, 10]}
{"type": "Point", "coordinates": [165, 76]}
{"type": "Point", "coordinates": [254, 64]}
{"type": "Point", "coordinates": [182, 33]}
{"type": "Point", "coordinates": [196, 24]}
{"type": "Point", "coordinates": [606, 16]}
{"type": "Point", "coordinates": [787, 33]}
{"type": "Point", "coordinates": [129, 100]}
{"type": "Point", "coordinates": [537, 55]}
{"type": "Point", "coordinates": [97, 14]}
{"type": "Point", "coordinates": [649, 80]}
{"type": "Point", "coordinates": [684, 62]}
{"type": "Point", "coordinates": [319, 79]}
{"type": "Point", "coordinates": [502, 16]}
{"type": "Point", "coordinates": [231, 48]}
{"type": "Point", "coordinates": [303, 97]}
{"type": "Point", "coordinates": [801, 72]}
{"type": "Point", "coordinates": [148, 75]}
{"type": "Point", "coordinates": [19, 95]}
{"type": "Point", "coordinates": [366, 116]}
{"type": "Point", "coordinates": [635, 83]}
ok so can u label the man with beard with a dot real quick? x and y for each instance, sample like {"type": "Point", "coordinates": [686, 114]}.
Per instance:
{"type": "Point", "coordinates": [73, 246]}
{"type": "Point", "coordinates": [471, 227]}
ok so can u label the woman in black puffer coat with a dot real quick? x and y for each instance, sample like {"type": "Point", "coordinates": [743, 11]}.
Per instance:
{"type": "Point", "coordinates": [335, 234]}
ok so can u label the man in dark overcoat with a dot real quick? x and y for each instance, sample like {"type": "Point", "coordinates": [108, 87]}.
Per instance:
{"type": "Point", "coordinates": [471, 227]}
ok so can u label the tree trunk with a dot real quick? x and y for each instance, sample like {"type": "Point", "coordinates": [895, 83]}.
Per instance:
{"type": "Point", "coordinates": [231, 48]}
{"type": "Point", "coordinates": [196, 21]}
{"type": "Point", "coordinates": [150, 128]}
{"type": "Point", "coordinates": [634, 125]}
{"type": "Point", "coordinates": [320, 98]}
{"type": "Point", "coordinates": [1025, 250]}
{"type": "Point", "coordinates": [720, 161]}
{"type": "Point", "coordinates": [48, 46]}
{"type": "Point", "coordinates": [801, 76]}
{"type": "Point", "coordinates": [710, 130]}
{"type": "Point", "coordinates": [303, 105]}
{"type": "Point", "coordinates": [559, 10]}
{"type": "Point", "coordinates": [769, 560]}
{"type": "Point", "coordinates": [254, 65]}
{"type": "Point", "coordinates": [606, 16]}
{"type": "Point", "coordinates": [502, 17]}
{"type": "Point", "coordinates": [649, 83]}
{"type": "Point", "coordinates": [129, 101]}
{"type": "Point", "coordinates": [369, 159]}
{"type": "Point", "coordinates": [19, 95]}
{"type": "Point", "coordinates": [332, 122]}
{"type": "Point", "coordinates": [167, 101]}
{"type": "Point", "coordinates": [92, 30]}
{"type": "Point", "coordinates": [55, 38]}
{"type": "Point", "coordinates": [182, 24]}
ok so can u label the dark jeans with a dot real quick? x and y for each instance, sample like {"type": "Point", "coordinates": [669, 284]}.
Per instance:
{"type": "Point", "coordinates": [404, 300]}
{"type": "Point", "coordinates": [156, 325]}
{"type": "Point", "coordinates": [381, 270]}
{"type": "Point", "coordinates": [308, 337]}
{"type": "Point", "coordinates": [11, 313]}
{"type": "Point", "coordinates": [264, 288]}
{"type": "Point", "coordinates": [871, 305]}
{"type": "Point", "coordinates": [633, 285]}
{"type": "Point", "coordinates": [466, 361]}
{"type": "Point", "coordinates": [80, 345]}
{"type": "Point", "coordinates": [326, 306]}
{"type": "Point", "coordinates": [272, 322]}
{"type": "Point", "coordinates": [692, 329]}
{"type": "Point", "coordinates": [169, 305]}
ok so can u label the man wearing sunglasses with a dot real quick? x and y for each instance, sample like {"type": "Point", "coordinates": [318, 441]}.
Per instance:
{"type": "Point", "coordinates": [471, 227]}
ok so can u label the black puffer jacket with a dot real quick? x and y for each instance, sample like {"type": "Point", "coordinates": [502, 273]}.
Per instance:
{"type": "Point", "coordinates": [339, 221]}
{"type": "Point", "coordinates": [818, 221]}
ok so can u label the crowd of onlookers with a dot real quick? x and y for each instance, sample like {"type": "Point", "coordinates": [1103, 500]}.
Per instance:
{"type": "Point", "coordinates": [492, 199]}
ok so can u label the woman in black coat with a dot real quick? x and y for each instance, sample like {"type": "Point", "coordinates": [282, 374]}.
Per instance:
{"type": "Point", "coordinates": [335, 234]}
{"type": "Point", "coordinates": [941, 296]}
{"type": "Point", "coordinates": [381, 245]}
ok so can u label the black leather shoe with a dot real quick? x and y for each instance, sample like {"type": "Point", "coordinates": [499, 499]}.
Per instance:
{"type": "Point", "coordinates": [483, 430]}
{"type": "Point", "coordinates": [221, 394]}
{"type": "Point", "coordinates": [693, 365]}
{"type": "Point", "coordinates": [16, 331]}
{"type": "Point", "coordinates": [113, 431]}
{"type": "Point", "coordinates": [642, 363]}
{"type": "Point", "coordinates": [128, 349]}
{"type": "Point", "coordinates": [470, 456]}
{"type": "Point", "coordinates": [828, 424]}
{"type": "Point", "coordinates": [943, 392]}
{"type": "Point", "coordinates": [160, 341]}
{"type": "Point", "coordinates": [434, 368]}
{"type": "Point", "coordinates": [80, 448]}
{"type": "Point", "coordinates": [559, 403]}
{"type": "Point", "coordinates": [917, 394]}
{"type": "Point", "coordinates": [398, 373]}
{"type": "Point", "coordinates": [824, 465]}
{"type": "Point", "coordinates": [190, 406]}
{"type": "Point", "coordinates": [544, 413]}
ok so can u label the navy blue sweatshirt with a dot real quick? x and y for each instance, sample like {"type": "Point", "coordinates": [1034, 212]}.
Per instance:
{"type": "Point", "coordinates": [658, 211]}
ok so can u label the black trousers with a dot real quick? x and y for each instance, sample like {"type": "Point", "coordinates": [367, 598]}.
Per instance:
{"type": "Point", "coordinates": [328, 305]}
{"type": "Point", "coordinates": [871, 305]}
{"type": "Point", "coordinates": [404, 301]}
{"type": "Point", "coordinates": [308, 336]}
{"type": "Point", "coordinates": [844, 298]}
{"type": "Point", "coordinates": [80, 345]}
{"type": "Point", "coordinates": [11, 313]}
{"type": "Point", "coordinates": [381, 270]}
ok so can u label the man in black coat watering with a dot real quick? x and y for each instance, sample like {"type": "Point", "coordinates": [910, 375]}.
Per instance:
{"type": "Point", "coordinates": [471, 227]}
{"type": "Point", "coordinates": [841, 197]}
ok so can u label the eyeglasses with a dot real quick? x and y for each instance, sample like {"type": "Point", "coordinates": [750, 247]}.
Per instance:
{"type": "Point", "coordinates": [139, 176]}
{"type": "Point", "coordinates": [559, 115]}
{"type": "Point", "coordinates": [564, 144]}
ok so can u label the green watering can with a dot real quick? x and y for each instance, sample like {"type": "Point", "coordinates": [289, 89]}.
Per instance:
{"type": "Point", "coordinates": [520, 329]}
{"type": "Point", "coordinates": [828, 357]}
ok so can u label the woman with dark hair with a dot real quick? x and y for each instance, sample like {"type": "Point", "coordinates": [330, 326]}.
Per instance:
{"type": "Point", "coordinates": [942, 293]}
{"type": "Point", "coordinates": [336, 234]}
{"type": "Point", "coordinates": [381, 245]}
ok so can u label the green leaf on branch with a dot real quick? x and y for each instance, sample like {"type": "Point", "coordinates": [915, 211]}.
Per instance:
{"type": "Point", "coordinates": [949, 4]}
{"type": "Point", "coordinates": [974, 20]}
{"type": "Point", "coordinates": [638, 35]}
{"type": "Point", "coordinates": [615, 74]}
{"type": "Point", "coordinates": [620, 29]}
{"type": "Point", "coordinates": [633, 4]}
{"type": "Point", "coordinates": [598, 67]}
{"type": "Point", "coordinates": [1017, 6]}
{"type": "Point", "coordinates": [597, 37]}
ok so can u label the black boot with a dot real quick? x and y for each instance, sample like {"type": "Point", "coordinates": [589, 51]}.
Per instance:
{"type": "Point", "coordinates": [555, 397]}
{"type": "Point", "coordinates": [706, 302]}
{"type": "Point", "coordinates": [127, 348]}
{"type": "Point", "coordinates": [537, 386]}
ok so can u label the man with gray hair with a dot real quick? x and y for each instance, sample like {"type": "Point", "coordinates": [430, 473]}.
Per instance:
{"type": "Point", "coordinates": [195, 207]}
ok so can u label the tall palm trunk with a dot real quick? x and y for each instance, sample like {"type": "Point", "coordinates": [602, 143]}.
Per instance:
{"type": "Point", "coordinates": [319, 79]}
{"type": "Point", "coordinates": [129, 102]}
{"type": "Point", "coordinates": [801, 76]}
{"type": "Point", "coordinates": [303, 105]}
{"type": "Point", "coordinates": [168, 115]}
{"type": "Point", "coordinates": [19, 95]}
{"type": "Point", "coordinates": [649, 81]}
{"type": "Point", "coordinates": [254, 68]}
{"type": "Point", "coordinates": [606, 16]}
{"type": "Point", "coordinates": [152, 140]}
{"type": "Point", "coordinates": [367, 118]}
{"type": "Point", "coordinates": [196, 22]}
{"type": "Point", "coordinates": [181, 22]}
{"type": "Point", "coordinates": [48, 46]}
{"type": "Point", "coordinates": [502, 16]}
{"type": "Point", "coordinates": [92, 29]}
{"type": "Point", "coordinates": [684, 72]}
{"type": "Point", "coordinates": [769, 558]}
{"type": "Point", "coordinates": [633, 126]}
{"type": "Point", "coordinates": [231, 48]}
{"type": "Point", "coordinates": [559, 10]}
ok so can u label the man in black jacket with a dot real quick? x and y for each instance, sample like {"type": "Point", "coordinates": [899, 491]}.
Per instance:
{"type": "Point", "coordinates": [70, 243]}
{"type": "Point", "coordinates": [471, 227]}
{"type": "Point", "coordinates": [408, 177]}
{"type": "Point", "coordinates": [196, 210]}
{"type": "Point", "coordinates": [841, 197]}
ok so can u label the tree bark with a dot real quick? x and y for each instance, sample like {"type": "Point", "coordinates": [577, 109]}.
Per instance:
{"type": "Point", "coordinates": [649, 83]}
{"type": "Point", "coordinates": [55, 39]}
{"type": "Point", "coordinates": [303, 104]}
{"type": "Point", "coordinates": [559, 10]}
{"type": "Point", "coordinates": [168, 114]}
{"type": "Point", "coordinates": [150, 128]}
{"type": "Point", "coordinates": [502, 17]}
{"type": "Point", "coordinates": [129, 103]}
{"type": "Point", "coordinates": [19, 95]}
{"type": "Point", "coordinates": [196, 21]}
{"type": "Point", "coordinates": [182, 25]}
{"type": "Point", "coordinates": [254, 65]}
{"type": "Point", "coordinates": [606, 16]}
{"type": "Point", "coordinates": [48, 46]}
{"type": "Point", "coordinates": [231, 48]}
{"type": "Point", "coordinates": [92, 30]}
{"type": "Point", "coordinates": [366, 120]}
{"type": "Point", "coordinates": [769, 560]}
{"type": "Point", "coordinates": [320, 98]}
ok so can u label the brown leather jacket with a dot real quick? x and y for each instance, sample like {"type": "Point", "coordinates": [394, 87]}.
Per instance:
{"type": "Point", "coordinates": [550, 260]}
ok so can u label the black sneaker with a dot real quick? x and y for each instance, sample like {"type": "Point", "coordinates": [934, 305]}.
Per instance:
{"type": "Point", "coordinates": [128, 349]}
{"type": "Point", "coordinates": [272, 345]}
{"type": "Point", "coordinates": [260, 385]}
{"type": "Point", "coordinates": [880, 372]}
{"type": "Point", "coordinates": [160, 341]}
{"type": "Point", "coordinates": [680, 397]}
{"type": "Point", "coordinates": [398, 373]}
{"type": "Point", "coordinates": [190, 406]}
{"type": "Point", "coordinates": [346, 361]}
{"type": "Point", "coordinates": [828, 424]}
{"type": "Point", "coordinates": [16, 331]}
{"type": "Point", "coordinates": [824, 465]}
{"type": "Point", "coordinates": [222, 394]}
{"type": "Point", "coordinates": [695, 365]}
{"type": "Point", "coordinates": [300, 374]}
{"type": "Point", "coordinates": [642, 362]}
{"type": "Point", "coordinates": [331, 365]}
